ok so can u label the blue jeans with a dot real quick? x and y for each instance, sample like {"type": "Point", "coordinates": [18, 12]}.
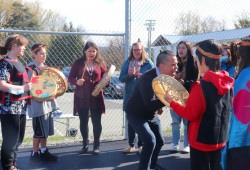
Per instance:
{"type": "Point", "coordinates": [131, 137]}
{"type": "Point", "coordinates": [176, 125]}
{"type": "Point", "coordinates": [150, 132]}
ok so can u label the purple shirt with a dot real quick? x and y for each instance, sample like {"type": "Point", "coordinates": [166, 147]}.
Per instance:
{"type": "Point", "coordinates": [83, 98]}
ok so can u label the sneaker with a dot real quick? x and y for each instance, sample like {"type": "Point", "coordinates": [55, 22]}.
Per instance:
{"type": "Point", "coordinates": [84, 150]}
{"type": "Point", "coordinates": [129, 150]}
{"type": "Point", "coordinates": [140, 149]}
{"type": "Point", "coordinates": [174, 149]}
{"type": "Point", "coordinates": [47, 156]}
{"type": "Point", "coordinates": [158, 167]}
{"type": "Point", "coordinates": [35, 156]}
{"type": "Point", "coordinates": [96, 150]}
{"type": "Point", "coordinates": [185, 150]}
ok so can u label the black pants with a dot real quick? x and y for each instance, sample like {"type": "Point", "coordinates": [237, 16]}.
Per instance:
{"type": "Point", "coordinates": [13, 129]}
{"type": "Point", "coordinates": [201, 160]}
{"type": "Point", "coordinates": [95, 115]}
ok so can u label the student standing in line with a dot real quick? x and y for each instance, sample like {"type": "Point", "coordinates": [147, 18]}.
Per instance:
{"type": "Point", "coordinates": [14, 96]}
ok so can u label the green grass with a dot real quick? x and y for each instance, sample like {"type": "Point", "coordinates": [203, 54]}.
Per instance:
{"type": "Point", "coordinates": [52, 138]}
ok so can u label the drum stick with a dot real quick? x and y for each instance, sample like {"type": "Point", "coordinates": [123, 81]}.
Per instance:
{"type": "Point", "coordinates": [84, 69]}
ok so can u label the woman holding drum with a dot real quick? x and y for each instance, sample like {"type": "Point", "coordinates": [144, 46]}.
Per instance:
{"type": "Point", "coordinates": [86, 72]}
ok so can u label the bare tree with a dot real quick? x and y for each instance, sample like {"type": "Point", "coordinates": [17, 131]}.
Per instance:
{"type": "Point", "coordinates": [113, 53]}
{"type": "Point", "coordinates": [243, 20]}
{"type": "Point", "coordinates": [188, 23]}
{"type": "Point", "coordinates": [48, 20]}
{"type": "Point", "coordinates": [210, 24]}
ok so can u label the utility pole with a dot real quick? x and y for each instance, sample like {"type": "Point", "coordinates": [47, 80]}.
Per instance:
{"type": "Point", "coordinates": [150, 27]}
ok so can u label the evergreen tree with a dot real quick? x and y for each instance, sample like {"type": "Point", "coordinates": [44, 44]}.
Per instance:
{"type": "Point", "coordinates": [21, 17]}
{"type": "Point", "coordinates": [64, 49]}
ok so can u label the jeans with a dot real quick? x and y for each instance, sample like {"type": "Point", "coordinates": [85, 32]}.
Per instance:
{"type": "Point", "coordinates": [96, 115]}
{"type": "Point", "coordinates": [176, 126]}
{"type": "Point", "coordinates": [150, 132]}
{"type": "Point", "coordinates": [131, 137]}
{"type": "Point", "coordinates": [13, 129]}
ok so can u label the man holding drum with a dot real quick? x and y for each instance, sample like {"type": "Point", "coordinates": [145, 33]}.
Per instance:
{"type": "Point", "coordinates": [142, 109]}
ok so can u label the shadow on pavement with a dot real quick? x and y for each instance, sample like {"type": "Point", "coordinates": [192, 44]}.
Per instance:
{"type": "Point", "coordinates": [110, 157]}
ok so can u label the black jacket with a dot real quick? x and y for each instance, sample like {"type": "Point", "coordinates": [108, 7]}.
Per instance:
{"type": "Point", "coordinates": [143, 100]}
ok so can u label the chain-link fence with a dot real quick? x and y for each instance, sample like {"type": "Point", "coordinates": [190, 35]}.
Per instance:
{"type": "Point", "coordinates": [150, 21]}
{"type": "Point", "coordinates": [160, 24]}
{"type": "Point", "coordinates": [63, 49]}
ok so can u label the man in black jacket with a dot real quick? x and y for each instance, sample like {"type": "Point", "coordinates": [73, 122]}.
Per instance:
{"type": "Point", "coordinates": [141, 110]}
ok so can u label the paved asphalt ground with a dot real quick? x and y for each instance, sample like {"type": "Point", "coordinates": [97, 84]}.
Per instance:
{"type": "Point", "coordinates": [110, 157]}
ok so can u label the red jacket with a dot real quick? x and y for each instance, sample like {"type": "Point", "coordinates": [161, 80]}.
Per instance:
{"type": "Point", "coordinates": [196, 106]}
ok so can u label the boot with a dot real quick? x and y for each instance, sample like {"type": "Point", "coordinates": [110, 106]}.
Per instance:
{"type": "Point", "coordinates": [96, 148]}
{"type": "Point", "coordinates": [85, 147]}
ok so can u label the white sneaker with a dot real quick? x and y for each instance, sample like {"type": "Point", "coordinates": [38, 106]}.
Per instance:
{"type": "Point", "coordinates": [186, 149]}
{"type": "Point", "coordinates": [174, 148]}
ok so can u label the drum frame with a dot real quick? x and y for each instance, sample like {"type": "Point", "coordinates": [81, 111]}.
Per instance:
{"type": "Point", "coordinates": [61, 80]}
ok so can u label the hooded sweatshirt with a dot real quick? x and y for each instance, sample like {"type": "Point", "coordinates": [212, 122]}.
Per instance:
{"type": "Point", "coordinates": [196, 108]}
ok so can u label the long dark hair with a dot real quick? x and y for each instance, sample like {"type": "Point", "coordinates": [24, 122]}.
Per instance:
{"type": "Point", "coordinates": [98, 58]}
{"type": "Point", "coordinates": [190, 64]}
{"type": "Point", "coordinates": [244, 54]}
